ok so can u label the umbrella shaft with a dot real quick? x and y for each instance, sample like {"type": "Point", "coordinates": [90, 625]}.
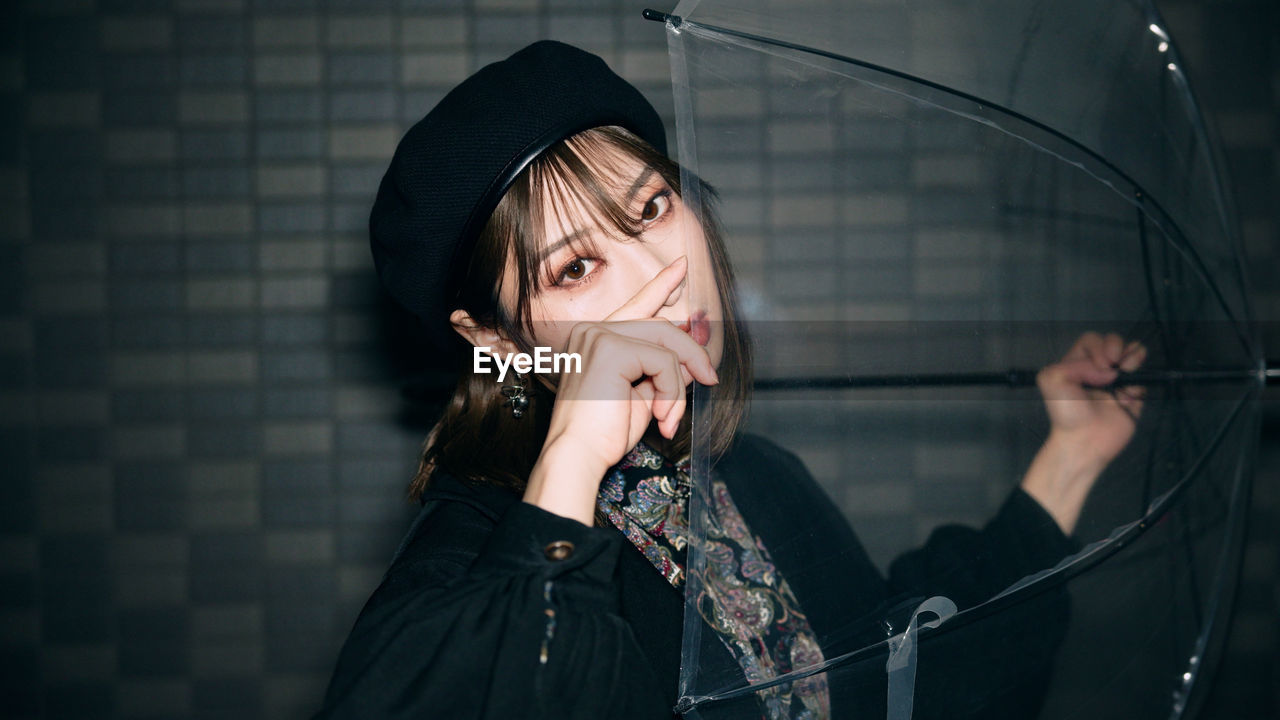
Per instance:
{"type": "Point", "coordinates": [1013, 378]}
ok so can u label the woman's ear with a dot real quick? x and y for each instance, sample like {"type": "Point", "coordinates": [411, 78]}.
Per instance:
{"type": "Point", "coordinates": [481, 335]}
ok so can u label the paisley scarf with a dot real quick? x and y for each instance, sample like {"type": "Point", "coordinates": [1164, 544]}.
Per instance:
{"type": "Point", "coordinates": [743, 598]}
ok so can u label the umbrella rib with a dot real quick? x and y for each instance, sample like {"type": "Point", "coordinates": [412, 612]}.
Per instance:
{"type": "Point", "coordinates": [1171, 503]}
{"type": "Point", "coordinates": [1140, 195]}
{"type": "Point", "coordinates": [1091, 556]}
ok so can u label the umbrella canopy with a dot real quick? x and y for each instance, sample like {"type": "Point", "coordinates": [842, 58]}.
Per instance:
{"type": "Point", "coordinates": [925, 202]}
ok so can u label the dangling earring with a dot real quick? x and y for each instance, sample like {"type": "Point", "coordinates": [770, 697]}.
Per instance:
{"type": "Point", "coordinates": [515, 395]}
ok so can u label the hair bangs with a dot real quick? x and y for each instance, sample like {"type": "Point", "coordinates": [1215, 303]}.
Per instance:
{"type": "Point", "coordinates": [586, 180]}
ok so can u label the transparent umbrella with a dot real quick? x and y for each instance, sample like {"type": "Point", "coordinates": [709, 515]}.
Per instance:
{"type": "Point", "coordinates": [925, 202]}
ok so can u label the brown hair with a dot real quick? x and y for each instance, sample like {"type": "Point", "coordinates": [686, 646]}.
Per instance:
{"type": "Point", "coordinates": [478, 439]}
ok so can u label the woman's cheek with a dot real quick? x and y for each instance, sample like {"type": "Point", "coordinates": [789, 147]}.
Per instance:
{"type": "Point", "coordinates": [553, 325]}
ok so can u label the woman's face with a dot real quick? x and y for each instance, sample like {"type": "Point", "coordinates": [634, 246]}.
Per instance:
{"type": "Point", "coordinates": [579, 285]}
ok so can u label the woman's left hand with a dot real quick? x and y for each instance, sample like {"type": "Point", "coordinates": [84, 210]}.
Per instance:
{"type": "Point", "coordinates": [1088, 426]}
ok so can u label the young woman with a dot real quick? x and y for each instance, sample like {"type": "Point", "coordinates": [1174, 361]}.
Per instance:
{"type": "Point", "coordinates": [535, 207]}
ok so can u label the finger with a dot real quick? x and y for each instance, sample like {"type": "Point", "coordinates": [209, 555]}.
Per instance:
{"type": "Point", "coordinates": [1130, 399]}
{"type": "Point", "coordinates": [1075, 373]}
{"type": "Point", "coordinates": [644, 390]}
{"type": "Point", "coordinates": [692, 356]}
{"type": "Point", "coordinates": [653, 296]}
{"type": "Point", "coordinates": [671, 424]}
{"type": "Point", "coordinates": [641, 411]}
{"type": "Point", "coordinates": [1095, 349]}
{"type": "Point", "coordinates": [636, 361]}
{"type": "Point", "coordinates": [1083, 346]}
{"type": "Point", "coordinates": [1113, 349]}
{"type": "Point", "coordinates": [628, 357]}
{"type": "Point", "coordinates": [1135, 353]}
{"type": "Point", "coordinates": [669, 396]}
{"type": "Point", "coordinates": [1137, 392]}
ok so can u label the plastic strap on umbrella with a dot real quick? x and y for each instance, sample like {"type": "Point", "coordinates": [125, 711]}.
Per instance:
{"type": "Point", "coordinates": [901, 665]}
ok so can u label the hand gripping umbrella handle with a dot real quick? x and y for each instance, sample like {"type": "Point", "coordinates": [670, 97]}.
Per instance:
{"type": "Point", "coordinates": [901, 665]}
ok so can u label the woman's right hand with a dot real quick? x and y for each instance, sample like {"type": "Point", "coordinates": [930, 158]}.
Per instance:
{"type": "Point", "coordinates": [635, 369]}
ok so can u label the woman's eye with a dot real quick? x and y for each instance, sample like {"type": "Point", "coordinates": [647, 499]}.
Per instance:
{"type": "Point", "coordinates": [574, 270]}
{"type": "Point", "coordinates": [655, 208]}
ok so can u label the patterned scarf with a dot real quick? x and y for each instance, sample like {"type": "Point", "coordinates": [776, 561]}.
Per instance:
{"type": "Point", "coordinates": [744, 598]}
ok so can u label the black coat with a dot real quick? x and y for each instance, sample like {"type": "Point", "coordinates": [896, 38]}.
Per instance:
{"type": "Point", "coordinates": [459, 627]}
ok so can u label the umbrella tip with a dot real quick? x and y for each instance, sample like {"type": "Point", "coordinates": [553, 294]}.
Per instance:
{"type": "Point", "coordinates": [658, 16]}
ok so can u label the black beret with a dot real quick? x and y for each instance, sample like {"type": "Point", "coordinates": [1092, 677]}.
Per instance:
{"type": "Point", "coordinates": [452, 167]}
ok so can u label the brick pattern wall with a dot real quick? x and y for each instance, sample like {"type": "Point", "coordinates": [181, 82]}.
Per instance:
{"type": "Point", "coordinates": [204, 442]}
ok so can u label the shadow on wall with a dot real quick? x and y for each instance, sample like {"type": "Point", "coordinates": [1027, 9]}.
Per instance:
{"type": "Point", "coordinates": [425, 377]}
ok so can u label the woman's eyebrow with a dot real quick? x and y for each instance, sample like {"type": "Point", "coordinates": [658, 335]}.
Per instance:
{"type": "Point", "coordinates": [639, 182]}
{"type": "Point", "coordinates": [551, 249]}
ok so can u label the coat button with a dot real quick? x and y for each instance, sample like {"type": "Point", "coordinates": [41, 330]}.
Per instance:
{"type": "Point", "coordinates": [558, 550]}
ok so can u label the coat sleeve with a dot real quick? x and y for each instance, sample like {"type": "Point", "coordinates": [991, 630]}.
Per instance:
{"type": "Point", "coordinates": [970, 566]}
{"type": "Point", "coordinates": [480, 620]}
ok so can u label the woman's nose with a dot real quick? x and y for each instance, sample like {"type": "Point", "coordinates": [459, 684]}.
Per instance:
{"type": "Point", "coordinates": [648, 263]}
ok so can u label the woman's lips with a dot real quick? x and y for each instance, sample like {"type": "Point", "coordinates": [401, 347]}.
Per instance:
{"type": "Point", "coordinates": [698, 327]}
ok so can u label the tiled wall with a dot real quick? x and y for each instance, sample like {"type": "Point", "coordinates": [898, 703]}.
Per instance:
{"type": "Point", "coordinates": [204, 443]}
